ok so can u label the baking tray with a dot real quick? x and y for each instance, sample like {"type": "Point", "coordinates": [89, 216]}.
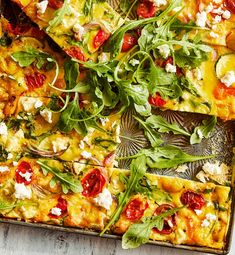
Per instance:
{"type": "Point", "coordinates": [221, 143]}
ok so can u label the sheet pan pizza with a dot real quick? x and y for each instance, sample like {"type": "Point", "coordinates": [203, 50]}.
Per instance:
{"type": "Point", "coordinates": [61, 110]}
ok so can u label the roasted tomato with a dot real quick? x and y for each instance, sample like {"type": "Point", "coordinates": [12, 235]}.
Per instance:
{"type": "Point", "coordinates": [157, 100]}
{"type": "Point", "coordinates": [93, 183]}
{"type": "Point", "coordinates": [193, 200]}
{"type": "Point", "coordinates": [76, 52]}
{"type": "Point", "coordinates": [35, 80]}
{"type": "Point", "coordinates": [55, 4]}
{"type": "Point", "coordinates": [221, 91]}
{"type": "Point", "coordinates": [230, 5]}
{"type": "Point", "coordinates": [100, 38]}
{"type": "Point", "coordinates": [108, 160]}
{"type": "Point", "coordinates": [135, 209]}
{"type": "Point", "coordinates": [169, 222]}
{"type": "Point", "coordinates": [129, 41]}
{"type": "Point", "coordinates": [24, 173]}
{"type": "Point", "coordinates": [60, 210]}
{"type": "Point", "coordinates": [18, 29]}
{"type": "Point", "coordinates": [36, 32]}
{"type": "Point", "coordinates": [146, 9]}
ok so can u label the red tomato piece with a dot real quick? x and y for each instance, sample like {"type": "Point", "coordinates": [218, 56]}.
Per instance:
{"type": "Point", "coordinates": [36, 32]}
{"type": "Point", "coordinates": [24, 173]}
{"type": "Point", "coordinates": [18, 29]}
{"type": "Point", "coordinates": [35, 80]}
{"type": "Point", "coordinates": [193, 200]}
{"type": "Point", "coordinates": [146, 9]}
{"type": "Point", "coordinates": [100, 38]}
{"type": "Point", "coordinates": [169, 222]}
{"type": "Point", "coordinates": [129, 41]}
{"type": "Point", "coordinates": [230, 5]}
{"type": "Point", "coordinates": [55, 4]}
{"type": "Point", "coordinates": [77, 53]}
{"type": "Point", "coordinates": [221, 91]}
{"type": "Point", "coordinates": [135, 209]}
{"type": "Point", "coordinates": [93, 183]}
{"type": "Point", "coordinates": [62, 204]}
{"type": "Point", "coordinates": [108, 160]}
{"type": "Point", "coordinates": [157, 100]}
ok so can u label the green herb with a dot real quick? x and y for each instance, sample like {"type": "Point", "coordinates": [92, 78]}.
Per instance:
{"type": "Point", "coordinates": [71, 73]}
{"type": "Point", "coordinates": [166, 157]}
{"type": "Point", "coordinates": [203, 131]}
{"type": "Point", "coordinates": [7, 206]}
{"type": "Point", "coordinates": [137, 171]}
{"type": "Point", "coordinates": [139, 233]}
{"type": "Point", "coordinates": [125, 5]}
{"type": "Point", "coordinates": [67, 180]}
{"type": "Point", "coordinates": [159, 123]}
{"type": "Point", "coordinates": [161, 196]}
{"type": "Point", "coordinates": [3, 154]}
{"type": "Point", "coordinates": [5, 40]}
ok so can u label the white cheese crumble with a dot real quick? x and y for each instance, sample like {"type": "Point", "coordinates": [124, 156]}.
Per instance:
{"type": "Point", "coordinates": [47, 115]}
{"type": "Point", "coordinates": [164, 50]}
{"type": "Point", "coordinates": [29, 103]}
{"type": "Point", "coordinates": [217, 19]}
{"type": "Point", "coordinates": [202, 177]}
{"type": "Point", "coordinates": [3, 129]}
{"type": "Point", "coordinates": [60, 144]}
{"type": "Point", "coordinates": [14, 163]}
{"type": "Point", "coordinates": [81, 145]}
{"type": "Point", "coordinates": [104, 57]}
{"type": "Point", "coordinates": [209, 8]}
{"type": "Point", "coordinates": [198, 212]}
{"type": "Point", "coordinates": [56, 211]}
{"type": "Point", "coordinates": [213, 35]}
{"type": "Point", "coordinates": [205, 223]}
{"type": "Point", "coordinates": [27, 176]}
{"type": "Point", "coordinates": [200, 134]}
{"type": "Point", "coordinates": [78, 167]}
{"type": "Point", "coordinates": [4, 169]}
{"type": "Point", "coordinates": [104, 121]}
{"type": "Point", "coordinates": [159, 3]}
{"type": "Point", "coordinates": [212, 168]}
{"type": "Point", "coordinates": [211, 217]}
{"type": "Point", "coordinates": [217, 1]}
{"type": "Point", "coordinates": [226, 14]}
{"type": "Point", "coordinates": [134, 62]}
{"type": "Point", "coordinates": [86, 154]}
{"type": "Point", "coordinates": [201, 18]}
{"type": "Point", "coordinates": [197, 73]}
{"type": "Point", "coordinates": [181, 169]}
{"type": "Point", "coordinates": [228, 79]}
{"type": "Point", "coordinates": [22, 191]}
{"type": "Point", "coordinates": [42, 6]}
{"type": "Point", "coordinates": [79, 30]}
{"type": "Point", "coordinates": [104, 199]}
{"type": "Point", "coordinates": [170, 68]}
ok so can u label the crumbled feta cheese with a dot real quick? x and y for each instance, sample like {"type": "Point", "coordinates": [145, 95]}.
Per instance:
{"type": "Point", "coordinates": [209, 204]}
{"type": "Point", "coordinates": [22, 191]}
{"type": "Point", "coordinates": [159, 3]}
{"type": "Point", "coordinates": [228, 79]}
{"type": "Point", "coordinates": [217, 1]}
{"type": "Point", "coordinates": [104, 121]}
{"type": "Point", "coordinates": [200, 134]}
{"type": "Point", "coordinates": [218, 11]}
{"type": "Point", "coordinates": [3, 129]}
{"type": "Point", "coordinates": [104, 57]}
{"type": "Point", "coordinates": [79, 30]}
{"type": "Point", "coordinates": [42, 6]}
{"type": "Point", "coordinates": [81, 145]}
{"type": "Point", "coordinates": [30, 103]}
{"type": "Point", "coordinates": [47, 115]}
{"type": "Point", "coordinates": [209, 8]}
{"type": "Point", "coordinates": [78, 167]}
{"type": "Point", "coordinates": [198, 212]}
{"type": "Point", "coordinates": [104, 199]}
{"type": "Point", "coordinates": [170, 68]}
{"type": "Point", "coordinates": [4, 169]}
{"type": "Point", "coordinates": [134, 62]}
{"type": "Point", "coordinates": [164, 50]}
{"type": "Point", "coordinates": [201, 176]}
{"type": "Point", "coordinates": [19, 134]}
{"type": "Point", "coordinates": [115, 163]}
{"type": "Point", "coordinates": [212, 168]}
{"type": "Point", "coordinates": [217, 19]}
{"type": "Point", "coordinates": [56, 211]}
{"type": "Point", "coordinates": [27, 176]}
{"type": "Point", "coordinates": [15, 163]}
{"type": "Point", "coordinates": [197, 73]}
{"type": "Point", "coordinates": [211, 217]}
{"type": "Point", "coordinates": [86, 154]}
{"type": "Point", "coordinates": [205, 223]}
{"type": "Point", "coordinates": [213, 35]}
{"type": "Point", "coordinates": [226, 14]}
{"type": "Point", "coordinates": [201, 18]}
{"type": "Point", "coordinates": [9, 156]}
{"type": "Point", "coordinates": [181, 169]}
{"type": "Point", "coordinates": [60, 144]}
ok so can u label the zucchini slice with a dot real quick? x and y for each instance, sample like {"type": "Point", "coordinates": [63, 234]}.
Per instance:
{"type": "Point", "coordinates": [225, 64]}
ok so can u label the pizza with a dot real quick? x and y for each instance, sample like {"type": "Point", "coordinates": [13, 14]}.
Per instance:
{"type": "Point", "coordinates": [61, 117]}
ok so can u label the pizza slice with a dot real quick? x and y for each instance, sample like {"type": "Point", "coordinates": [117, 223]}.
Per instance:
{"type": "Point", "coordinates": [78, 27]}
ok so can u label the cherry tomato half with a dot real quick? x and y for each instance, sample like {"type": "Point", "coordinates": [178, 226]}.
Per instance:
{"type": "Point", "coordinates": [62, 204]}
{"type": "Point", "coordinates": [230, 5]}
{"type": "Point", "coordinates": [146, 9]}
{"type": "Point", "coordinates": [24, 173]}
{"type": "Point", "coordinates": [55, 4]}
{"type": "Point", "coordinates": [100, 38]}
{"type": "Point", "coordinates": [34, 80]}
{"type": "Point", "coordinates": [129, 41]}
{"type": "Point", "coordinates": [193, 200]}
{"type": "Point", "coordinates": [169, 222]}
{"type": "Point", "coordinates": [221, 91]}
{"type": "Point", "coordinates": [76, 52]}
{"type": "Point", "coordinates": [135, 209]}
{"type": "Point", "coordinates": [18, 29]}
{"type": "Point", "coordinates": [93, 183]}
{"type": "Point", "coordinates": [156, 100]}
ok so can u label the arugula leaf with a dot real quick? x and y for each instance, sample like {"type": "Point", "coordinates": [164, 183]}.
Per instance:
{"type": "Point", "coordinates": [166, 156]}
{"type": "Point", "coordinates": [153, 136]}
{"type": "Point", "coordinates": [67, 180]}
{"type": "Point", "coordinates": [139, 233]}
{"type": "Point", "coordinates": [59, 15]}
{"type": "Point", "coordinates": [71, 72]}
{"type": "Point", "coordinates": [204, 130]}
{"type": "Point", "coordinates": [137, 171]}
{"type": "Point", "coordinates": [7, 206]}
{"type": "Point", "coordinates": [159, 123]}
